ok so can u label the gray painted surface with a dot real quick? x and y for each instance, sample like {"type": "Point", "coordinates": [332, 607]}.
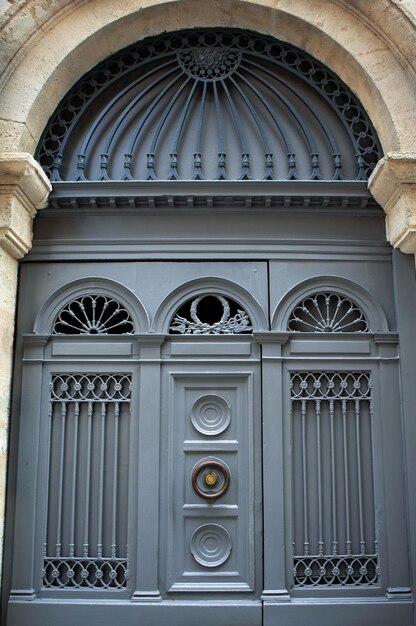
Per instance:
{"type": "Point", "coordinates": [174, 578]}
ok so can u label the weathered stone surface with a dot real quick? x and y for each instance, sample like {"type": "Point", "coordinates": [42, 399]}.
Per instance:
{"type": "Point", "coordinates": [19, 169]}
{"type": "Point", "coordinates": [24, 188]}
{"type": "Point", "coordinates": [393, 184]}
{"type": "Point", "coordinates": [8, 285]}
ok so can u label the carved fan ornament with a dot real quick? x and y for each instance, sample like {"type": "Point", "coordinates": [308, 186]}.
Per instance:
{"type": "Point", "coordinates": [227, 324]}
{"type": "Point", "coordinates": [327, 313]}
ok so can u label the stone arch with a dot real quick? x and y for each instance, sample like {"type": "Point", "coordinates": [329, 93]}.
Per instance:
{"type": "Point", "coordinates": [322, 31]}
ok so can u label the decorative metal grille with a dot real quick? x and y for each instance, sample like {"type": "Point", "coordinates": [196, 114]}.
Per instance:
{"type": "Point", "coordinates": [333, 570]}
{"type": "Point", "coordinates": [228, 321]}
{"type": "Point", "coordinates": [334, 533]}
{"type": "Point", "coordinates": [93, 315]}
{"type": "Point", "coordinates": [327, 313]}
{"type": "Point", "coordinates": [210, 63]}
{"type": "Point", "coordinates": [86, 532]}
{"type": "Point", "coordinates": [210, 104]}
{"type": "Point", "coordinates": [80, 573]}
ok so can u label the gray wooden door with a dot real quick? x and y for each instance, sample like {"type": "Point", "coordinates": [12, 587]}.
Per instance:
{"type": "Point", "coordinates": [211, 475]}
{"type": "Point", "coordinates": [145, 489]}
{"type": "Point", "coordinates": [203, 444]}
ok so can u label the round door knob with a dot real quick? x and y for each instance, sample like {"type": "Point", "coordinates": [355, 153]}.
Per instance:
{"type": "Point", "coordinates": [210, 479]}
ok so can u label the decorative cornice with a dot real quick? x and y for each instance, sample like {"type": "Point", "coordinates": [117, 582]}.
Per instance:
{"type": "Point", "coordinates": [24, 189]}
{"type": "Point", "coordinates": [20, 170]}
{"type": "Point", "coordinates": [393, 185]}
{"type": "Point", "coordinates": [194, 194]}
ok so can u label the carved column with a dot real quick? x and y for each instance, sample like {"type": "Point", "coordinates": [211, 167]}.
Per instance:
{"type": "Point", "coordinates": [393, 184]}
{"type": "Point", "coordinates": [24, 189]}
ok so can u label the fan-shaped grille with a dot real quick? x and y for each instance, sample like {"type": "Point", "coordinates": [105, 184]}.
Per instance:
{"type": "Point", "coordinates": [209, 104]}
{"type": "Point", "coordinates": [93, 315]}
{"type": "Point", "coordinates": [327, 313]}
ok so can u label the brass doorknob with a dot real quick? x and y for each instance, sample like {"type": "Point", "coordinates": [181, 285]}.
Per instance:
{"type": "Point", "coordinates": [210, 479]}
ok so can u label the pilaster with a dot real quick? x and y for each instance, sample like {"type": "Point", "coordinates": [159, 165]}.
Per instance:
{"type": "Point", "coordinates": [24, 189]}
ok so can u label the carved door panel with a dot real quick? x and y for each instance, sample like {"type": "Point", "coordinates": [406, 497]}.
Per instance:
{"type": "Point", "coordinates": [211, 476]}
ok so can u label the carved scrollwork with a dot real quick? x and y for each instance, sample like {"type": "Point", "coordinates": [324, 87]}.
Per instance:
{"type": "Point", "coordinates": [226, 325]}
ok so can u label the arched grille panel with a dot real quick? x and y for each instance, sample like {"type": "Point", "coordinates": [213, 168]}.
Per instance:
{"type": "Point", "coordinates": [213, 104]}
{"type": "Point", "coordinates": [327, 312]}
{"type": "Point", "coordinates": [93, 314]}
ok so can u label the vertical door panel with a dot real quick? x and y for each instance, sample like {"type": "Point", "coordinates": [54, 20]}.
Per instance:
{"type": "Point", "coordinates": [212, 417]}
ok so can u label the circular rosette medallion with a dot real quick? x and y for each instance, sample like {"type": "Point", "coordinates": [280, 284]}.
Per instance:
{"type": "Point", "coordinates": [215, 63]}
{"type": "Point", "coordinates": [211, 415]}
{"type": "Point", "coordinates": [211, 545]}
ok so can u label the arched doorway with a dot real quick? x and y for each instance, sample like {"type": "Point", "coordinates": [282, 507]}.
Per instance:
{"type": "Point", "coordinates": [209, 354]}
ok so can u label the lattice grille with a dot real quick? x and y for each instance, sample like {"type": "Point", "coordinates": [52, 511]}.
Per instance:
{"type": "Point", "coordinates": [327, 313]}
{"type": "Point", "coordinates": [93, 315]}
{"type": "Point", "coordinates": [86, 533]}
{"type": "Point", "coordinates": [92, 573]}
{"type": "Point", "coordinates": [335, 540]}
{"type": "Point", "coordinates": [333, 570]}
